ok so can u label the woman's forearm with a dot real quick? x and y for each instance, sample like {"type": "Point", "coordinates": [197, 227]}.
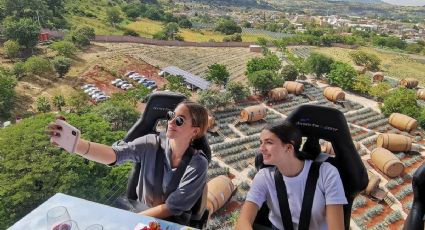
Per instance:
{"type": "Point", "coordinates": [160, 211]}
{"type": "Point", "coordinates": [247, 216]}
{"type": "Point", "coordinates": [96, 152]}
{"type": "Point", "coordinates": [335, 216]}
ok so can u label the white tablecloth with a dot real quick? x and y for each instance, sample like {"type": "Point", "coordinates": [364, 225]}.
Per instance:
{"type": "Point", "coordinates": [86, 213]}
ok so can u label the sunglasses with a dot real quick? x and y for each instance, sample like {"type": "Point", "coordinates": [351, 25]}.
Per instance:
{"type": "Point", "coordinates": [179, 119]}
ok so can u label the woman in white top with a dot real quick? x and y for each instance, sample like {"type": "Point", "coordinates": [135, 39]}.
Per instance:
{"type": "Point", "coordinates": [280, 146]}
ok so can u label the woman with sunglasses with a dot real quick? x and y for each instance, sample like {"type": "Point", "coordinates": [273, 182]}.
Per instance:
{"type": "Point", "coordinates": [279, 146]}
{"type": "Point", "coordinates": [187, 122]}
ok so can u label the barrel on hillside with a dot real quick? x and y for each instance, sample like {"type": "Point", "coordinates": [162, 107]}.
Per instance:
{"type": "Point", "coordinates": [253, 113]}
{"type": "Point", "coordinates": [373, 183]}
{"type": "Point", "coordinates": [403, 122]}
{"type": "Point", "coordinates": [387, 162]}
{"type": "Point", "coordinates": [421, 94]}
{"type": "Point", "coordinates": [360, 69]}
{"type": "Point", "coordinates": [409, 83]}
{"type": "Point", "coordinates": [219, 191]}
{"type": "Point", "coordinates": [326, 147]}
{"type": "Point", "coordinates": [334, 94]}
{"type": "Point", "coordinates": [378, 77]}
{"type": "Point", "coordinates": [394, 142]}
{"type": "Point", "coordinates": [294, 87]}
{"type": "Point", "coordinates": [278, 94]}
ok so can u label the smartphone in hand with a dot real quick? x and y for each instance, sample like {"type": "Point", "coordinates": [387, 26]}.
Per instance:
{"type": "Point", "coordinates": [68, 138]}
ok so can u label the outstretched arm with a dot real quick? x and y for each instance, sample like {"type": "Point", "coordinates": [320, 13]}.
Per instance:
{"type": "Point", "coordinates": [96, 152]}
{"type": "Point", "coordinates": [246, 218]}
{"type": "Point", "coordinates": [160, 211]}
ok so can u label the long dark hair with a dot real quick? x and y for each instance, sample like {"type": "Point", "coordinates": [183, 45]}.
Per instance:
{"type": "Point", "coordinates": [289, 134]}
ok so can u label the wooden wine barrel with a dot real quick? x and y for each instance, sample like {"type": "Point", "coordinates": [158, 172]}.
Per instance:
{"type": "Point", "coordinates": [278, 94]}
{"type": "Point", "coordinates": [220, 190]}
{"type": "Point", "coordinates": [387, 162]}
{"type": "Point", "coordinates": [421, 94]}
{"type": "Point", "coordinates": [253, 113]}
{"type": "Point", "coordinates": [334, 94]}
{"type": "Point", "coordinates": [394, 142]}
{"type": "Point", "coordinates": [409, 83]}
{"type": "Point", "coordinates": [402, 122]}
{"type": "Point", "coordinates": [373, 183]}
{"type": "Point", "coordinates": [378, 77]}
{"type": "Point", "coordinates": [211, 121]}
{"type": "Point", "coordinates": [294, 87]}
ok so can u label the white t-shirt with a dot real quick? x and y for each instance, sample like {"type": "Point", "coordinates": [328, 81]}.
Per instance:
{"type": "Point", "coordinates": [329, 190]}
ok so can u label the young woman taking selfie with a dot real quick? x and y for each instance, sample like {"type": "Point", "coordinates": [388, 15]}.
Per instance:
{"type": "Point", "coordinates": [186, 123]}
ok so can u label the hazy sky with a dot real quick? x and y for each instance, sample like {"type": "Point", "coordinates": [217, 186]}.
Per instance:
{"type": "Point", "coordinates": [406, 2]}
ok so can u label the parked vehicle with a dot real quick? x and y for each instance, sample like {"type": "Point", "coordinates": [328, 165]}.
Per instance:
{"type": "Point", "coordinates": [96, 95]}
{"type": "Point", "coordinates": [90, 89]}
{"type": "Point", "coordinates": [87, 86]}
{"type": "Point", "coordinates": [126, 86]}
{"type": "Point", "coordinates": [150, 83]}
{"type": "Point", "coordinates": [116, 81]}
{"type": "Point", "coordinates": [101, 98]}
{"type": "Point", "coordinates": [129, 73]}
{"type": "Point", "coordinates": [141, 81]}
{"type": "Point", "coordinates": [137, 78]}
{"type": "Point", "coordinates": [119, 84]}
{"type": "Point", "coordinates": [152, 87]}
{"type": "Point", "coordinates": [94, 92]}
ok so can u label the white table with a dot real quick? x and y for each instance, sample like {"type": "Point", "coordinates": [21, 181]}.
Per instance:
{"type": "Point", "coordinates": [86, 213]}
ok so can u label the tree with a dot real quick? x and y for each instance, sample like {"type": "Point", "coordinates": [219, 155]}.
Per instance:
{"type": "Point", "coordinates": [121, 115]}
{"type": "Point", "coordinates": [184, 22]}
{"type": "Point", "coordinates": [43, 105]}
{"type": "Point", "coordinates": [380, 90]}
{"type": "Point", "coordinates": [77, 100]}
{"type": "Point", "coordinates": [218, 74]}
{"type": "Point", "coordinates": [370, 61]}
{"type": "Point", "coordinates": [171, 29]}
{"type": "Point", "coordinates": [269, 62]}
{"type": "Point", "coordinates": [401, 101]}
{"type": "Point", "coordinates": [61, 65]}
{"type": "Point", "coordinates": [213, 99]}
{"type": "Point", "coordinates": [289, 73]}
{"type": "Point", "coordinates": [318, 64]}
{"type": "Point", "coordinates": [264, 80]}
{"type": "Point", "coordinates": [11, 48]}
{"type": "Point", "coordinates": [113, 15]}
{"type": "Point", "coordinates": [81, 36]}
{"type": "Point", "coordinates": [18, 69]}
{"type": "Point", "coordinates": [25, 32]}
{"type": "Point", "coordinates": [176, 84]}
{"type": "Point", "coordinates": [64, 48]}
{"type": "Point", "coordinates": [38, 66]}
{"type": "Point", "coordinates": [237, 90]}
{"type": "Point", "coordinates": [227, 26]}
{"type": "Point", "coordinates": [342, 75]}
{"type": "Point", "coordinates": [7, 92]}
{"type": "Point", "coordinates": [59, 101]}
{"type": "Point", "coordinates": [362, 84]}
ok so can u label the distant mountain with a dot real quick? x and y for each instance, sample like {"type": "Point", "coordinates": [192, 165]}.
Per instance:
{"type": "Point", "coordinates": [357, 1]}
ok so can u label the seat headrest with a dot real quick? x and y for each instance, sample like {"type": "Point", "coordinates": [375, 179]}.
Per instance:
{"type": "Point", "coordinates": [326, 123]}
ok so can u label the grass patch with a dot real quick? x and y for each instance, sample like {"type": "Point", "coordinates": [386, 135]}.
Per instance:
{"type": "Point", "coordinates": [392, 64]}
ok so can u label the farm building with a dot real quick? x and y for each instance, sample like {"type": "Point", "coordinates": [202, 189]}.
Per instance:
{"type": "Point", "coordinates": [192, 81]}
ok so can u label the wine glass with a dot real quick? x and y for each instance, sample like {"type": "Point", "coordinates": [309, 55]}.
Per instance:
{"type": "Point", "coordinates": [55, 216]}
{"type": "Point", "coordinates": [95, 227]}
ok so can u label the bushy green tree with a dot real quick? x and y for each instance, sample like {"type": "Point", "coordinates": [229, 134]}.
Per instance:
{"type": "Point", "coordinates": [113, 15]}
{"type": "Point", "coordinates": [227, 26]}
{"type": "Point", "coordinates": [370, 61]}
{"type": "Point", "coordinates": [218, 74]}
{"type": "Point", "coordinates": [25, 31]}
{"type": "Point", "coordinates": [120, 114]}
{"type": "Point", "coordinates": [11, 48]}
{"type": "Point", "coordinates": [58, 101]}
{"type": "Point", "coordinates": [64, 48]}
{"type": "Point", "coordinates": [18, 69]}
{"type": "Point", "coordinates": [134, 10]}
{"type": "Point", "coordinates": [171, 30]}
{"type": "Point", "coordinates": [342, 75]}
{"type": "Point", "coordinates": [43, 105]}
{"type": "Point", "coordinates": [380, 90]}
{"type": "Point", "coordinates": [7, 92]}
{"type": "Point", "coordinates": [77, 100]}
{"type": "Point", "coordinates": [362, 84]}
{"type": "Point", "coordinates": [264, 80]}
{"type": "Point", "coordinates": [213, 99]}
{"type": "Point", "coordinates": [38, 66]}
{"type": "Point", "coordinates": [318, 64]}
{"type": "Point", "coordinates": [237, 90]}
{"type": "Point", "coordinates": [401, 101]}
{"type": "Point", "coordinates": [176, 84]}
{"type": "Point", "coordinates": [184, 22]}
{"type": "Point", "coordinates": [81, 36]}
{"type": "Point", "coordinates": [269, 62]}
{"type": "Point", "coordinates": [61, 65]}
{"type": "Point", "coordinates": [289, 73]}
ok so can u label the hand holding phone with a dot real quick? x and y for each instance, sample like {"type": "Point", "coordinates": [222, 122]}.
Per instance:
{"type": "Point", "coordinates": [68, 136]}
